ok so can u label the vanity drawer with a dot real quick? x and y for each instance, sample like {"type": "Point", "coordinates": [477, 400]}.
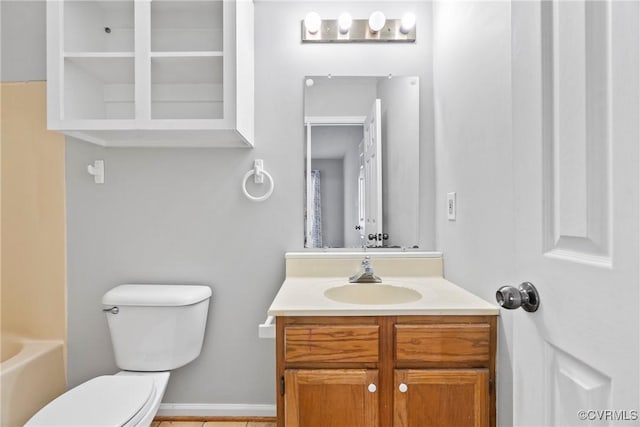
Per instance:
{"type": "Point", "coordinates": [329, 343]}
{"type": "Point", "coordinates": [443, 343]}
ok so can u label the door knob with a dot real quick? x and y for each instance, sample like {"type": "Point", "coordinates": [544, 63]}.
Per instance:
{"type": "Point", "coordinates": [525, 296]}
{"type": "Point", "coordinates": [379, 236]}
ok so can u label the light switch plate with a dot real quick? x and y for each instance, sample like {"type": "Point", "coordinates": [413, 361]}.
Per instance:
{"type": "Point", "coordinates": [451, 206]}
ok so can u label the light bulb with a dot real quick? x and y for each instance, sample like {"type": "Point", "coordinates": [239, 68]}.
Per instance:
{"type": "Point", "coordinates": [344, 23]}
{"type": "Point", "coordinates": [376, 21]}
{"type": "Point", "coordinates": [312, 22]}
{"type": "Point", "coordinates": [407, 23]}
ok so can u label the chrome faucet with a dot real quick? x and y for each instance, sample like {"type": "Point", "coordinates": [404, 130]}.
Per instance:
{"type": "Point", "coordinates": [365, 275]}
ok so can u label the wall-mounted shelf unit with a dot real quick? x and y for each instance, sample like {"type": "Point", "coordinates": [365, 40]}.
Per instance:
{"type": "Point", "coordinates": [136, 73]}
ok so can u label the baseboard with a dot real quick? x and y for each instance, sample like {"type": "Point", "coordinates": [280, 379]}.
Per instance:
{"type": "Point", "coordinates": [216, 410]}
{"type": "Point", "coordinates": [202, 420]}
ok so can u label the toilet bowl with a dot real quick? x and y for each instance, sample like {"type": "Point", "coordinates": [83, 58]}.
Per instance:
{"type": "Point", "coordinates": [154, 329]}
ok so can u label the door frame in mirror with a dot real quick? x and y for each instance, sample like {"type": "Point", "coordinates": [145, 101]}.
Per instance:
{"type": "Point", "coordinates": [309, 123]}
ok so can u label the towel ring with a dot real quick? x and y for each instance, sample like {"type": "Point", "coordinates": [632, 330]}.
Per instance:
{"type": "Point", "coordinates": [259, 173]}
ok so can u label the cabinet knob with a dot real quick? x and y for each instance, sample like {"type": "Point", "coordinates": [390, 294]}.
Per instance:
{"type": "Point", "coordinates": [403, 388]}
{"type": "Point", "coordinates": [372, 388]}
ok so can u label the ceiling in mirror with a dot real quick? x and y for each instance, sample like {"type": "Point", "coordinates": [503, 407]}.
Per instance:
{"type": "Point", "coordinates": [361, 161]}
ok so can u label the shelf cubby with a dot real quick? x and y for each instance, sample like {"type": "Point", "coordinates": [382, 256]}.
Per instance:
{"type": "Point", "coordinates": [99, 26]}
{"type": "Point", "coordinates": [186, 26]}
{"type": "Point", "coordinates": [99, 88]}
{"type": "Point", "coordinates": [186, 87]}
{"type": "Point", "coordinates": [186, 60]}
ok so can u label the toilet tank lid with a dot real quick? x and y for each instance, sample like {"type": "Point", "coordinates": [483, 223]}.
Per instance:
{"type": "Point", "coordinates": [156, 295]}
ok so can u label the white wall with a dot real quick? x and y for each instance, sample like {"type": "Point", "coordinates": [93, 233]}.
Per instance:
{"type": "Point", "coordinates": [179, 215]}
{"type": "Point", "coordinates": [472, 92]}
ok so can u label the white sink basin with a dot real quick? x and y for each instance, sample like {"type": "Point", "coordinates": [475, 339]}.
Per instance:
{"type": "Point", "coordinates": [372, 293]}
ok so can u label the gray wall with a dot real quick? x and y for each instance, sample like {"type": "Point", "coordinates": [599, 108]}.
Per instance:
{"type": "Point", "coordinates": [332, 187]}
{"type": "Point", "coordinates": [178, 215]}
{"type": "Point", "coordinates": [472, 81]}
{"type": "Point", "coordinates": [339, 96]}
{"type": "Point", "coordinates": [23, 40]}
{"type": "Point", "coordinates": [338, 143]}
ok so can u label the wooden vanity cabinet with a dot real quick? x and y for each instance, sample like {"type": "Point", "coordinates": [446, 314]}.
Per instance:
{"type": "Point", "coordinates": [386, 371]}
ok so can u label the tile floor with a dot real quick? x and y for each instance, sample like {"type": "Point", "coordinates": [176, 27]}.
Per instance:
{"type": "Point", "coordinates": [210, 424]}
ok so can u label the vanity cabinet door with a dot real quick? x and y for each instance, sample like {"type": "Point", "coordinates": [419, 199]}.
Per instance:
{"type": "Point", "coordinates": [441, 398]}
{"type": "Point", "coordinates": [331, 398]}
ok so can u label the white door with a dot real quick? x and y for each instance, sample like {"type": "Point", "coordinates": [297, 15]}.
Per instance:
{"type": "Point", "coordinates": [361, 226]}
{"type": "Point", "coordinates": [373, 174]}
{"type": "Point", "coordinates": [576, 118]}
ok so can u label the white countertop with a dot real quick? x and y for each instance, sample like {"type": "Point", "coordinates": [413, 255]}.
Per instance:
{"type": "Point", "coordinates": [304, 296]}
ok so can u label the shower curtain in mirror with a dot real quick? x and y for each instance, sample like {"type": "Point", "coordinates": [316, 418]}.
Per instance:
{"type": "Point", "coordinates": [316, 211]}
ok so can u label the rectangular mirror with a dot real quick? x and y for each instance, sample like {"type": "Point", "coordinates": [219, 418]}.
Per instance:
{"type": "Point", "coordinates": [361, 161]}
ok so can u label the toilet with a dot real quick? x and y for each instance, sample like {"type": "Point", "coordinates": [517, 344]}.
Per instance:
{"type": "Point", "coordinates": [154, 329]}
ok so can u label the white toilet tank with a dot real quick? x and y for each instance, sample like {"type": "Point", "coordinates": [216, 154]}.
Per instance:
{"type": "Point", "coordinates": [156, 327]}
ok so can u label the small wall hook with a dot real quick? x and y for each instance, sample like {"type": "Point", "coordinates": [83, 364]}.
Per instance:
{"type": "Point", "coordinates": [97, 170]}
{"type": "Point", "coordinates": [258, 171]}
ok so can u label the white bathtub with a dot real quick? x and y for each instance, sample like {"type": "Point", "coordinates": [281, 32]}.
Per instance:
{"type": "Point", "coordinates": [31, 375]}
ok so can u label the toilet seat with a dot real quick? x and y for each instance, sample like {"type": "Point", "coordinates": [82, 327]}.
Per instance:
{"type": "Point", "coordinates": [109, 401]}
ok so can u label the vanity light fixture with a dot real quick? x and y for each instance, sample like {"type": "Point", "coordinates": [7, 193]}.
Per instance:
{"type": "Point", "coordinates": [344, 23]}
{"type": "Point", "coordinates": [376, 21]}
{"type": "Point", "coordinates": [407, 23]}
{"type": "Point", "coordinates": [345, 29]}
{"type": "Point", "coordinates": [312, 22]}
